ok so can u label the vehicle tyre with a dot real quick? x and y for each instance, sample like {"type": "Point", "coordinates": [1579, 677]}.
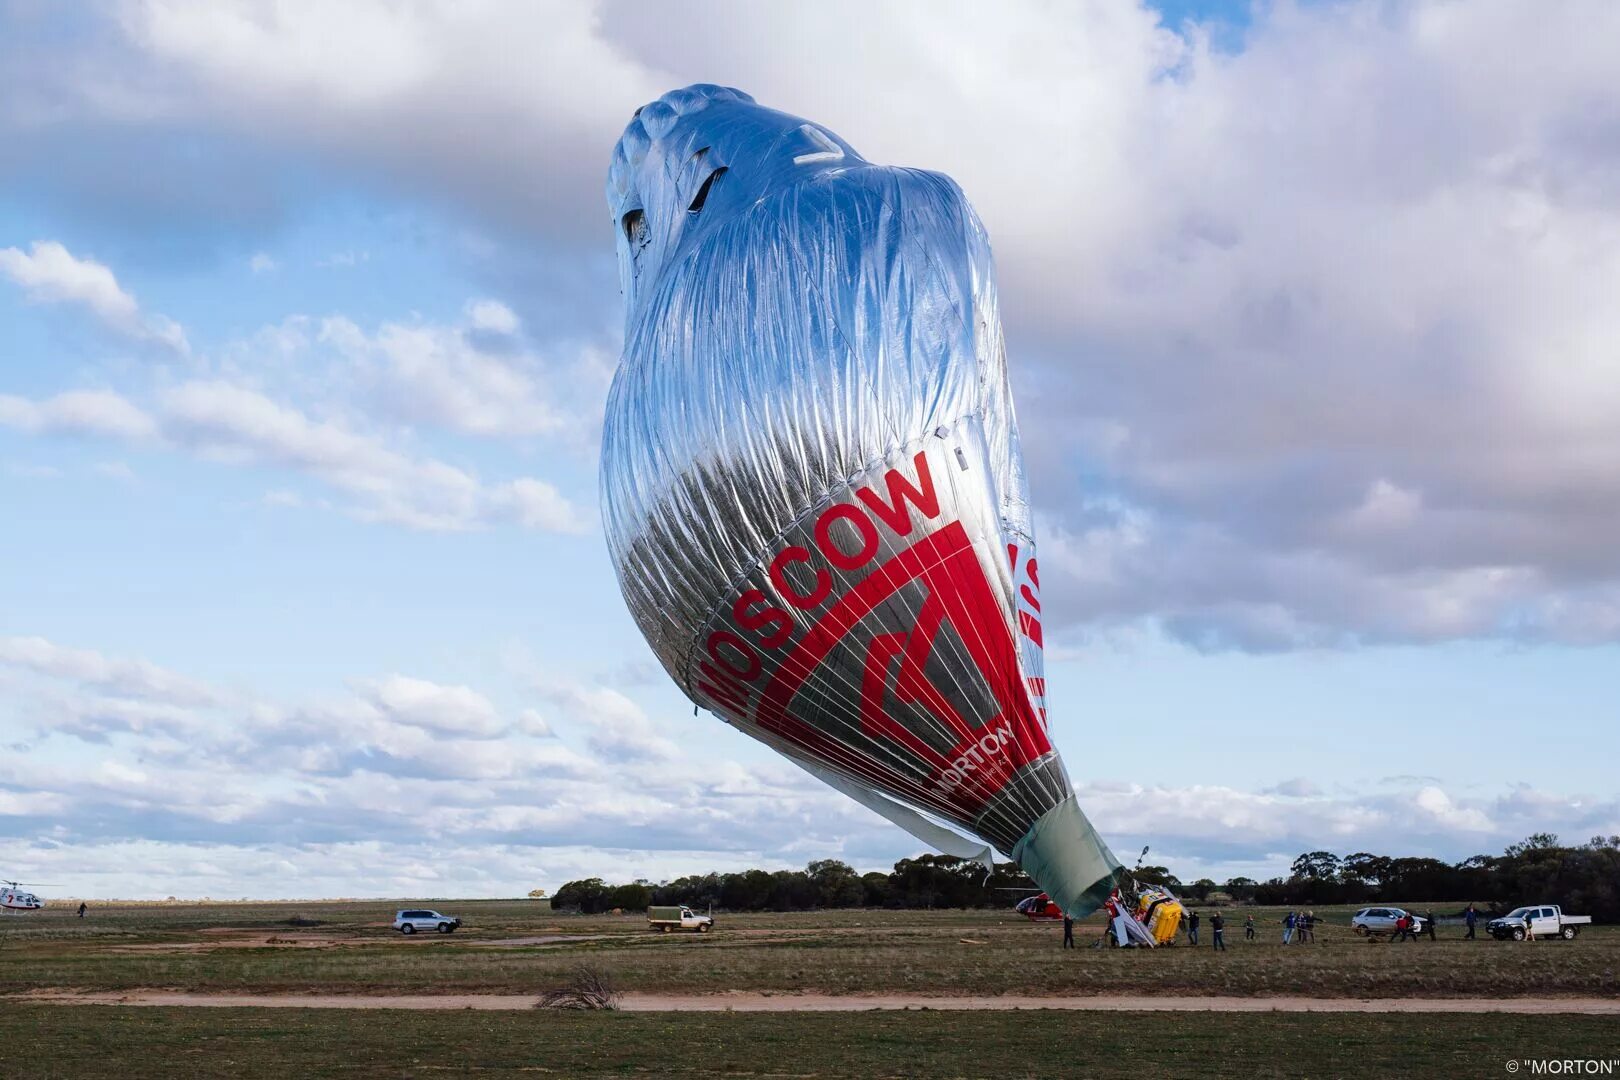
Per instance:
{"type": "Point", "coordinates": [445, 928]}
{"type": "Point", "coordinates": [1568, 933]}
{"type": "Point", "coordinates": [1518, 933]}
{"type": "Point", "coordinates": [1362, 930]}
{"type": "Point", "coordinates": [665, 928]}
{"type": "Point", "coordinates": [703, 928]}
{"type": "Point", "coordinates": [407, 929]}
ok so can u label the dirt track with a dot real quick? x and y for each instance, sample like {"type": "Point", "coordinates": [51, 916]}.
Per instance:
{"type": "Point", "coordinates": [755, 1002]}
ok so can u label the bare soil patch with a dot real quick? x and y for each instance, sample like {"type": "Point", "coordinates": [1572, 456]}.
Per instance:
{"type": "Point", "coordinates": [760, 1002]}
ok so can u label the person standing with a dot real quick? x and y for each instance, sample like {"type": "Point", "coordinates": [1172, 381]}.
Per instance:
{"type": "Point", "coordinates": [1248, 928]}
{"type": "Point", "coordinates": [1217, 925]}
{"type": "Point", "coordinates": [1306, 925]}
{"type": "Point", "coordinates": [1403, 928]}
{"type": "Point", "coordinates": [1530, 925]}
{"type": "Point", "coordinates": [1068, 931]}
{"type": "Point", "coordinates": [1192, 928]}
{"type": "Point", "coordinates": [1470, 917]}
{"type": "Point", "coordinates": [1428, 924]}
{"type": "Point", "coordinates": [81, 909]}
{"type": "Point", "coordinates": [1288, 928]}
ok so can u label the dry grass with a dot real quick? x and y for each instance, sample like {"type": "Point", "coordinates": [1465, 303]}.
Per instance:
{"type": "Point", "coordinates": [835, 952]}
{"type": "Point", "coordinates": [90, 1041]}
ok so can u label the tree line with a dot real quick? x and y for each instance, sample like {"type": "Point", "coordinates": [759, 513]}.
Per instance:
{"type": "Point", "coordinates": [924, 882]}
{"type": "Point", "coordinates": [1585, 879]}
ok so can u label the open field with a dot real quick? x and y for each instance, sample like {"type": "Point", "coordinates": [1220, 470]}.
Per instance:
{"type": "Point", "coordinates": [42, 1040]}
{"type": "Point", "coordinates": [343, 955]}
{"type": "Point", "coordinates": [521, 947]}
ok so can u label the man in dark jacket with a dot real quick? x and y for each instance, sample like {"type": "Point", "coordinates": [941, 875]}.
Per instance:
{"type": "Point", "coordinates": [1068, 931]}
{"type": "Point", "coordinates": [1428, 924]}
{"type": "Point", "coordinates": [1470, 917]}
{"type": "Point", "coordinates": [1218, 925]}
{"type": "Point", "coordinates": [1192, 928]}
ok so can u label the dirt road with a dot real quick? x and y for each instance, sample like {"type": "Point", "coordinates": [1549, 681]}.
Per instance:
{"type": "Point", "coordinates": [756, 1002]}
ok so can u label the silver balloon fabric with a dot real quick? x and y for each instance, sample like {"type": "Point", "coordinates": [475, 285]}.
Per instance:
{"type": "Point", "coordinates": [812, 485]}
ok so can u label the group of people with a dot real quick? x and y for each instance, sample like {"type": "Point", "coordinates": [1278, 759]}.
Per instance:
{"type": "Point", "coordinates": [1299, 927]}
{"type": "Point", "coordinates": [1217, 926]}
{"type": "Point", "coordinates": [1408, 927]}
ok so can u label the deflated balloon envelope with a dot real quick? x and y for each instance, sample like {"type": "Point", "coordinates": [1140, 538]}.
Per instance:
{"type": "Point", "coordinates": [812, 485]}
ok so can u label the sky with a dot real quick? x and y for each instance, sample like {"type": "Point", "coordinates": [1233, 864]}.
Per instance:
{"type": "Point", "coordinates": [308, 313]}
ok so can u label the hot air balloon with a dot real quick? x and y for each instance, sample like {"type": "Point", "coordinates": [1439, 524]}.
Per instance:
{"type": "Point", "coordinates": [812, 485]}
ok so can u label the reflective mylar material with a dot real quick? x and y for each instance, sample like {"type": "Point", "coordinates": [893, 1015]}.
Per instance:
{"type": "Point", "coordinates": [811, 478]}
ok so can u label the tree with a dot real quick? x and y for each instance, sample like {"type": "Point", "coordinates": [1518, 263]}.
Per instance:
{"type": "Point", "coordinates": [1240, 889]}
{"type": "Point", "coordinates": [877, 888]}
{"type": "Point", "coordinates": [836, 883]}
{"type": "Point", "coordinates": [1364, 868]}
{"type": "Point", "coordinates": [588, 896]}
{"type": "Point", "coordinates": [1541, 841]}
{"type": "Point", "coordinates": [1584, 879]}
{"type": "Point", "coordinates": [1320, 865]}
{"type": "Point", "coordinates": [633, 897]}
{"type": "Point", "coordinates": [1157, 875]}
{"type": "Point", "coordinates": [748, 891]}
{"type": "Point", "coordinates": [940, 881]}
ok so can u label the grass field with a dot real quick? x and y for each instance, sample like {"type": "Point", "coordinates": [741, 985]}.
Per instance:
{"type": "Point", "coordinates": [89, 1041]}
{"type": "Point", "coordinates": [348, 948]}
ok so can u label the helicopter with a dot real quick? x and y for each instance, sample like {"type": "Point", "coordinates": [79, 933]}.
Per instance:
{"type": "Point", "coordinates": [1038, 907]}
{"type": "Point", "coordinates": [12, 898]}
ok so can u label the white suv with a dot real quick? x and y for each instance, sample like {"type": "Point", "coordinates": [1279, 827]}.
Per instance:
{"type": "Point", "coordinates": [409, 922]}
{"type": "Point", "coordinates": [1381, 920]}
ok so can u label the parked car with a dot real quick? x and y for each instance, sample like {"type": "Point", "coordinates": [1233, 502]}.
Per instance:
{"type": "Point", "coordinates": [1547, 920]}
{"type": "Point", "coordinates": [409, 922]}
{"type": "Point", "coordinates": [678, 918]}
{"type": "Point", "coordinates": [1381, 920]}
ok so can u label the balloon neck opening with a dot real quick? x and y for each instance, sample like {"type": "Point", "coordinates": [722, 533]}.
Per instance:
{"type": "Point", "coordinates": [1068, 859]}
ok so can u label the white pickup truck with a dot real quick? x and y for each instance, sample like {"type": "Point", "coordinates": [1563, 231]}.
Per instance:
{"type": "Point", "coordinates": [677, 918]}
{"type": "Point", "coordinates": [1545, 920]}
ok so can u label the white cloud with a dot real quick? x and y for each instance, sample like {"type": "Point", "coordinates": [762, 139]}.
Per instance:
{"type": "Point", "coordinates": [491, 316]}
{"type": "Point", "coordinates": [228, 422]}
{"type": "Point", "coordinates": [453, 710]}
{"type": "Point", "coordinates": [1299, 332]}
{"type": "Point", "coordinates": [32, 472]}
{"type": "Point", "coordinates": [187, 770]}
{"type": "Point", "coordinates": [618, 728]}
{"type": "Point", "coordinates": [395, 89]}
{"type": "Point", "coordinates": [132, 678]}
{"type": "Point", "coordinates": [530, 722]}
{"type": "Point", "coordinates": [77, 412]}
{"type": "Point", "coordinates": [1434, 802]}
{"type": "Point", "coordinates": [114, 470]}
{"type": "Point", "coordinates": [447, 376]}
{"type": "Point", "coordinates": [261, 263]}
{"type": "Point", "coordinates": [235, 424]}
{"type": "Point", "coordinates": [343, 260]}
{"type": "Point", "coordinates": [49, 273]}
{"type": "Point", "coordinates": [1222, 825]}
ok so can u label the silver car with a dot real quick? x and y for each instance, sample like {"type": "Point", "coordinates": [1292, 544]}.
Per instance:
{"type": "Point", "coordinates": [1381, 920]}
{"type": "Point", "coordinates": [414, 919]}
